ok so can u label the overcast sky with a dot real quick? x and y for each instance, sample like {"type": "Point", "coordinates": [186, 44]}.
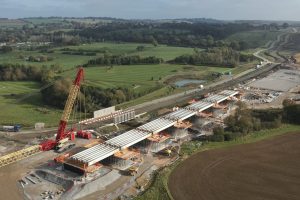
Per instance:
{"type": "Point", "coordinates": [154, 9]}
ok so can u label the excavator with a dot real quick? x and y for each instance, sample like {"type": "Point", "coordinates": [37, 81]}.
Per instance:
{"type": "Point", "coordinates": [133, 170]}
{"type": "Point", "coordinates": [64, 135]}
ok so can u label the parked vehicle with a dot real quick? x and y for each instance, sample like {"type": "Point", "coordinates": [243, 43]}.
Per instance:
{"type": "Point", "coordinates": [15, 128]}
{"type": "Point", "coordinates": [84, 134]}
{"type": "Point", "coordinates": [65, 147]}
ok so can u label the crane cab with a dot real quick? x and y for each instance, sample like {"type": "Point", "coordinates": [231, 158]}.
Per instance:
{"type": "Point", "coordinates": [61, 143]}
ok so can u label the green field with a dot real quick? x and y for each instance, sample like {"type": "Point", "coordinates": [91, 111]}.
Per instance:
{"type": "Point", "coordinates": [161, 51]}
{"type": "Point", "coordinates": [69, 61]}
{"type": "Point", "coordinates": [140, 76]}
{"type": "Point", "coordinates": [162, 92]}
{"type": "Point", "coordinates": [65, 61]}
{"type": "Point", "coordinates": [28, 111]}
{"type": "Point", "coordinates": [31, 109]}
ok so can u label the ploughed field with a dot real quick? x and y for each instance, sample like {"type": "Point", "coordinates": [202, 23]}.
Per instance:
{"type": "Point", "coordinates": [266, 170]}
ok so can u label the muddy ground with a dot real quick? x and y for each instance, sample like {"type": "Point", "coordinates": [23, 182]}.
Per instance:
{"type": "Point", "coordinates": [266, 170]}
{"type": "Point", "coordinates": [10, 174]}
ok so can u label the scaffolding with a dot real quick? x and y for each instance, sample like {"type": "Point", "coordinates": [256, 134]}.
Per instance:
{"type": "Point", "coordinates": [159, 142]}
{"type": "Point", "coordinates": [205, 114]}
{"type": "Point", "coordinates": [180, 133]}
{"type": "Point", "coordinates": [127, 154]}
{"type": "Point", "coordinates": [19, 155]}
{"type": "Point", "coordinates": [161, 137]}
{"type": "Point", "coordinates": [220, 106]}
{"type": "Point", "coordinates": [80, 167]}
{"type": "Point", "coordinates": [119, 163]}
{"type": "Point", "coordinates": [158, 146]}
{"type": "Point", "coordinates": [183, 124]}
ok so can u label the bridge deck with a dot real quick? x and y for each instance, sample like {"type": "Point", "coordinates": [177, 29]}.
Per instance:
{"type": "Point", "coordinates": [129, 138]}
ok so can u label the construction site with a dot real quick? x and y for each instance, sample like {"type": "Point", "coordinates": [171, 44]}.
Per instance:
{"type": "Point", "coordinates": [79, 162]}
{"type": "Point", "coordinates": [270, 91]}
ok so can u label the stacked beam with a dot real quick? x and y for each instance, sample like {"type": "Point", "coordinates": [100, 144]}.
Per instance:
{"type": "Point", "coordinates": [19, 155]}
{"type": "Point", "coordinates": [102, 118]}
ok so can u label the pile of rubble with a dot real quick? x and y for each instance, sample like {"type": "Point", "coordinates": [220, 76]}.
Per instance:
{"type": "Point", "coordinates": [51, 195]}
{"type": "Point", "coordinates": [260, 97]}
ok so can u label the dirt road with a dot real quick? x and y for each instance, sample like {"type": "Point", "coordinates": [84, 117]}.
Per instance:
{"type": "Point", "coordinates": [266, 170]}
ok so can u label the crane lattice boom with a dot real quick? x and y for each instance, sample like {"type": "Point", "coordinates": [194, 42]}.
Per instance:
{"type": "Point", "coordinates": [61, 133]}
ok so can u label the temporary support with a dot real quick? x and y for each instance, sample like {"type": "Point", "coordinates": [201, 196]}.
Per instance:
{"type": "Point", "coordinates": [77, 164]}
{"type": "Point", "coordinates": [183, 124]}
{"type": "Point", "coordinates": [127, 154]}
{"type": "Point", "coordinates": [158, 146]}
{"type": "Point", "coordinates": [219, 106]}
{"type": "Point", "coordinates": [19, 155]}
{"type": "Point", "coordinates": [204, 114]}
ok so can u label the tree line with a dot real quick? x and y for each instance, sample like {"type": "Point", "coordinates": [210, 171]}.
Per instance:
{"type": "Point", "coordinates": [41, 58]}
{"type": "Point", "coordinates": [107, 59]}
{"type": "Point", "coordinates": [85, 52]}
{"type": "Point", "coordinates": [56, 94]}
{"type": "Point", "coordinates": [176, 34]}
{"type": "Point", "coordinates": [92, 98]}
{"type": "Point", "coordinates": [224, 56]}
{"type": "Point", "coordinates": [191, 32]}
{"type": "Point", "coordinates": [19, 72]}
{"type": "Point", "coordinates": [79, 53]}
{"type": "Point", "coordinates": [245, 121]}
{"type": "Point", "coordinates": [6, 49]}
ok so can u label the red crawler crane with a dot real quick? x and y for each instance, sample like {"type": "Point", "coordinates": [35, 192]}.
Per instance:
{"type": "Point", "coordinates": [62, 133]}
